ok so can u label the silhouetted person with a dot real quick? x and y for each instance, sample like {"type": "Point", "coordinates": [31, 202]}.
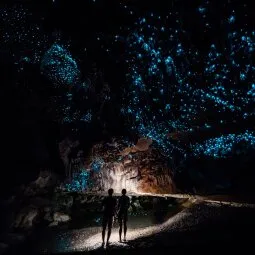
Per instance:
{"type": "Point", "coordinates": [109, 205]}
{"type": "Point", "coordinates": [123, 205]}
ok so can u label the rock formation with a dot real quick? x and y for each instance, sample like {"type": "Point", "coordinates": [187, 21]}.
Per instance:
{"type": "Point", "coordinates": [65, 149]}
{"type": "Point", "coordinates": [139, 168]}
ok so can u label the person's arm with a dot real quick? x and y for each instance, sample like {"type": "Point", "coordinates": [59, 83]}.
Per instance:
{"type": "Point", "coordinates": [103, 205]}
{"type": "Point", "coordinates": [117, 206]}
{"type": "Point", "coordinates": [128, 203]}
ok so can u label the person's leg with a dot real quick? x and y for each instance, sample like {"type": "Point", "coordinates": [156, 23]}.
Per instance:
{"type": "Point", "coordinates": [109, 229]}
{"type": "Point", "coordinates": [120, 229]}
{"type": "Point", "coordinates": [125, 227]}
{"type": "Point", "coordinates": [104, 228]}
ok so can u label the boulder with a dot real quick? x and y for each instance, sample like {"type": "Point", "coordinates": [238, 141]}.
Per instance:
{"type": "Point", "coordinates": [137, 205]}
{"type": "Point", "coordinates": [46, 179]}
{"type": "Point", "coordinates": [47, 209]}
{"type": "Point", "coordinates": [53, 224]}
{"type": "Point", "coordinates": [30, 218]}
{"type": "Point", "coordinates": [27, 218]}
{"type": "Point", "coordinates": [143, 144]}
{"type": "Point", "coordinates": [61, 217]}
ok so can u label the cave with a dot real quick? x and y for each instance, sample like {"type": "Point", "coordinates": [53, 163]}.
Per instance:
{"type": "Point", "coordinates": [150, 103]}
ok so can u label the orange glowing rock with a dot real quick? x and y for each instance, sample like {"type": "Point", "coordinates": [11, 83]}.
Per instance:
{"type": "Point", "coordinates": [142, 144]}
{"type": "Point", "coordinates": [160, 184]}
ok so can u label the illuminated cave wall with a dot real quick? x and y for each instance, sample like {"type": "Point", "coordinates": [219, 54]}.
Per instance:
{"type": "Point", "coordinates": [133, 167]}
{"type": "Point", "coordinates": [118, 177]}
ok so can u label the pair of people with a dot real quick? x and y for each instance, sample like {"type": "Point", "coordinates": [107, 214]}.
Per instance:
{"type": "Point", "coordinates": [111, 207]}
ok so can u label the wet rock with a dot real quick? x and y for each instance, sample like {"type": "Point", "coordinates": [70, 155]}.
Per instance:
{"type": "Point", "coordinates": [135, 205]}
{"type": "Point", "coordinates": [46, 179]}
{"type": "Point", "coordinates": [30, 219]}
{"type": "Point", "coordinates": [27, 218]}
{"type": "Point", "coordinates": [61, 217]}
{"type": "Point", "coordinates": [47, 209]}
{"type": "Point", "coordinates": [53, 224]}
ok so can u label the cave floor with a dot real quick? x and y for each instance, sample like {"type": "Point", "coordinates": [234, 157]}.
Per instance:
{"type": "Point", "coordinates": [85, 233]}
{"type": "Point", "coordinates": [213, 225]}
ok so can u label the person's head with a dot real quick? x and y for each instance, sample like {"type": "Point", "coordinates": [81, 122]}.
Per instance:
{"type": "Point", "coordinates": [124, 192]}
{"type": "Point", "coordinates": [110, 192]}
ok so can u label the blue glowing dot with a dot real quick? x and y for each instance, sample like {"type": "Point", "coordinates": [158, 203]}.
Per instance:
{"type": "Point", "coordinates": [242, 76]}
{"type": "Point", "coordinates": [231, 19]}
{"type": "Point", "coordinates": [202, 10]}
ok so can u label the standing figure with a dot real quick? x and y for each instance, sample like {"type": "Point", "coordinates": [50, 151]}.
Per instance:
{"type": "Point", "coordinates": [109, 205]}
{"type": "Point", "coordinates": [123, 205]}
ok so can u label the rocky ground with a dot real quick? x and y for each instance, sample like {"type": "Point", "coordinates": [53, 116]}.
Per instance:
{"type": "Point", "coordinates": [41, 217]}
{"type": "Point", "coordinates": [198, 227]}
{"type": "Point", "coordinates": [42, 205]}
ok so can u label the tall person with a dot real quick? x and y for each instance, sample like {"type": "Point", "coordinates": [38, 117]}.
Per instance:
{"type": "Point", "coordinates": [109, 206]}
{"type": "Point", "coordinates": [122, 208]}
